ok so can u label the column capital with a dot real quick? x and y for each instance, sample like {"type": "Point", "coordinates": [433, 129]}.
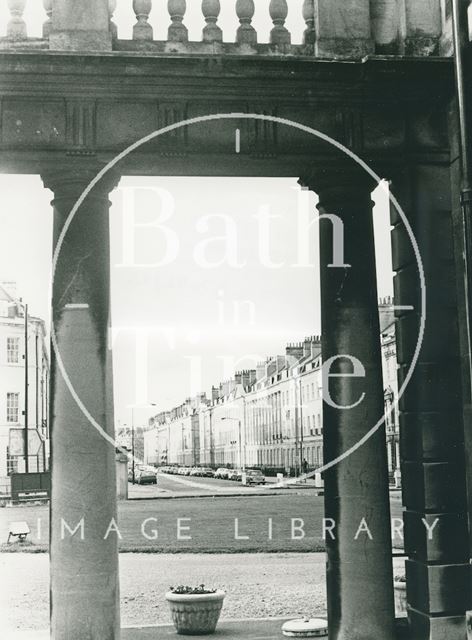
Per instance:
{"type": "Point", "coordinates": [340, 178]}
{"type": "Point", "coordinates": [340, 186]}
{"type": "Point", "coordinates": [71, 180]}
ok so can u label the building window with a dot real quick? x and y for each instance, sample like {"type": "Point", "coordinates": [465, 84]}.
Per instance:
{"type": "Point", "coordinates": [13, 350]}
{"type": "Point", "coordinates": [13, 407]}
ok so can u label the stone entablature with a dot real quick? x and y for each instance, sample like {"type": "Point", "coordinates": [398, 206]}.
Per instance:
{"type": "Point", "coordinates": [376, 107]}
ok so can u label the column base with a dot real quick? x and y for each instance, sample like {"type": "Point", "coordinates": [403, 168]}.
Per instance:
{"type": "Point", "coordinates": [422, 46]}
{"type": "Point", "coordinates": [80, 40]}
{"type": "Point", "coordinates": [343, 47]}
{"type": "Point", "coordinates": [427, 627]}
{"type": "Point", "coordinates": [438, 589]}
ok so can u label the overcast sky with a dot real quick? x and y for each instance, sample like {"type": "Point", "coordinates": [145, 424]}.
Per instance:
{"type": "Point", "coordinates": [192, 309]}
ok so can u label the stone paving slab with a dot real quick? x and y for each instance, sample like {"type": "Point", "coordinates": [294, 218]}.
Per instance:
{"type": "Point", "coordinates": [261, 629]}
{"type": "Point", "coordinates": [264, 629]}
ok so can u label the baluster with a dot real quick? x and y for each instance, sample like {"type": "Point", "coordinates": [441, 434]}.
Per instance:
{"type": "Point", "coordinates": [111, 11]}
{"type": "Point", "coordinates": [278, 12]}
{"type": "Point", "coordinates": [309, 35]}
{"type": "Point", "coordinates": [47, 4]}
{"type": "Point", "coordinates": [16, 28]}
{"type": "Point", "coordinates": [177, 31]}
{"type": "Point", "coordinates": [142, 30]}
{"type": "Point", "coordinates": [211, 10]}
{"type": "Point", "coordinates": [246, 33]}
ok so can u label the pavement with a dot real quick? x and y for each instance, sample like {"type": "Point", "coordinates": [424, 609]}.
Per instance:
{"type": "Point", "coordinates": [250, 629]}
{"type": "Point", "coordinates": [264, 629]}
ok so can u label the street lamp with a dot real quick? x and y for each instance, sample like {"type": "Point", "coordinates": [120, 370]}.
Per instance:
{"type": "Point", "coordinates": [150, 404]}
{"type": "Point", "coordinates": [242, 462]}
{"type": "Point", "coordinates": [26, 390]}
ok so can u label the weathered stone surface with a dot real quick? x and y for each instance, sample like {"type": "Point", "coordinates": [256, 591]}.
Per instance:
{"type": "Point", "coordinates": [80, 26]}
{"type": "Point", "coordinates": [425, 627]}
{"type": "Point", "coordinates": [84, 566]}
{"type": "Point", "coordinates": [385, 17]}
{"type": "Point", "coordinates": [423, 27]}
{"type": "Point", "coordinates": [428, 594]}
{"type": "Point", "coordinates": [343, 29]}
{"type": "Point", "coordinates": [448, 532]}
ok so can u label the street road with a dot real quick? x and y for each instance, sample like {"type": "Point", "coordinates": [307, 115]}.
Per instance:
{"type": "Point", "coordinates": [168, 484]}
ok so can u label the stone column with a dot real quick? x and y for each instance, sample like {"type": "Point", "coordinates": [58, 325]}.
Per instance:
{"type": "Point", "coordinates": [80, 26]}
{"type": "Point", "coordinates": [431, 421]}
{"type": "Point", "coordinates": [359, 571]}
{"type": "Point", "coordinates": [84, 564]}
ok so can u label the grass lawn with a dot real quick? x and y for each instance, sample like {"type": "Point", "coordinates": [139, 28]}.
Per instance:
{"type": "Point", "coordinates": [266, 524]}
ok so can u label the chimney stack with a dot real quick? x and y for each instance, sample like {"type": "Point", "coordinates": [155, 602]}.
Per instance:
{"type": "Point", "coordinates": [260, 370]}
{"type": "Point", "coordinates": [295, 349]}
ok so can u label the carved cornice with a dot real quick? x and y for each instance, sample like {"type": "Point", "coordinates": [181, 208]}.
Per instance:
{"type": "Point", "coordinates": [58, 105]}
{"type": "Point", "coordinates": [92, 75]}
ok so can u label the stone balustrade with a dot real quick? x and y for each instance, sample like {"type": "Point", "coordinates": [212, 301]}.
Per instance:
{"type": "Point", "coordinates": [321, 28]}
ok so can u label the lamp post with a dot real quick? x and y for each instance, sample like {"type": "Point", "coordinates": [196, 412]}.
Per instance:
{"type": "Point", "coordinates": [133, 445]}
{"type": "Point", "coordinates": [26, 391]}
{"type": "Point", "coordinates": [242, 462]}
{"type": "Point", "coordinates": [133, 472]}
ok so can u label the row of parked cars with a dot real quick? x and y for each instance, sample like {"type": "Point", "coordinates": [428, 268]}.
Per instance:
{"type": "Point", "coordinates": [143, 474]}
{"type": "Point", "coordinates": [203, 472]}
{"type": "Point", "coordinates": [253, 476]}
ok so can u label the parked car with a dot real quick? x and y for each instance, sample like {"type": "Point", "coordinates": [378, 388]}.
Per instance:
{"type": "Point", "coordinates": [255, 476]}
{"type": "Point", "coordinates": [206, 472]}
{"type": "Point", "coordinates": [145, 475]}
{"type": "Point", "coordinates": [195, 471]}
{"type": "Point", "coordinates": [235, 475]}
{"type": "Point", "coordinates": [222, 473]}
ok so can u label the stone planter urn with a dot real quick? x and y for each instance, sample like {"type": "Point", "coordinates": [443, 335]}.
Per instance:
{"type": "Point", "coordinates": [195, 611]}
{"type": "Point", "coordinates": [399, 587]}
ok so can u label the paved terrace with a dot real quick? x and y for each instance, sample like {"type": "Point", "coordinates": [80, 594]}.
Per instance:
{"type": "Point", "coordinates": [264, 629]}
